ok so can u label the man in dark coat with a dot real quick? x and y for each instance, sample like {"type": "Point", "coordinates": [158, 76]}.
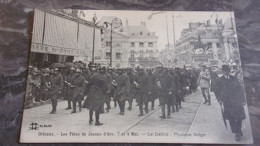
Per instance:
{"type": "Point", "coordinates": [122, 87]}
{"type": "Point", "coordinates": [131, 92]}
{"type": "Point", "coordinates": [165, 91]}
{"type": "Point", "coordinates": [230, 94]}
{"type": "Point", "coordinates": [143, 89]}
{"type": "Point", "coordinates": [174, 90]}
{"type": "Point", "coordinates": [97, 94]}
{"type": "Point", "coordinates": [78, 86]}
{"type": "Point", "coordinates": [213, 80]}
{"type": "Point", "coordinates": [154, 88]}
{"type": "Point", "coordinates": [67, 83]}
{"type": "Point", "coordinates": [56, 85]}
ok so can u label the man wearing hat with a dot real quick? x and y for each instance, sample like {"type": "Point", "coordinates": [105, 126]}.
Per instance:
{"type": "Point", "coordinates": [78, 86]}
{"type": "Point", "coordinates": [68, 81]}
{"type": "Point", "coordinates": [143, 89]}
{"type": "Point", "coordinates": [230, 94]}
{"type": "Point", "coordinates": [131, 93]}
{"type": "Point", "coordinates": [56, 85]}
{"type": "Point", "coordinates": [204, 83]}
{"type": "Point", "coordinates": [154, 88]}
{"type": "Point", "coordinates": [122, 87]}
{"type": "Point", "coordinates": [97, 95]}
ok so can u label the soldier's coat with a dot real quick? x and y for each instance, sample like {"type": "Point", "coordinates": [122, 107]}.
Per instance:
{"type": "Point", "coordinates": [122, 88]}
{"type": "Point", "coordinates": [97, 92]}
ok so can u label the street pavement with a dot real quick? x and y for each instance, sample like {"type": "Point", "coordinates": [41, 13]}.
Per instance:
{"type": "Point", "coordinates": [194, 123]}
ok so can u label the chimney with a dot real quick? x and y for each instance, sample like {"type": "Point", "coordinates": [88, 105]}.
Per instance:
{"type": "Point", "coordinates": [143, 23]}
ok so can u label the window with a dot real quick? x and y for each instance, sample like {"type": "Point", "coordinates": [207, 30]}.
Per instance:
{"type": "Point", "coordinates": [132, 53]}
{"type": "Point", "coordinates": [150, 53]}
{"type": "Point", "coordinates": [141, 44]}
{"type": "Point", "coordinates": [132, 44]}
{"type": "Point", "coordinates": [118, 56]}
{"type": "Point", "coordinates": [148, 34]}
{"type": "Point", "coordinates": [218, 45]}
{"type": "Point", "coordinates": [118, 44]}
{"type": "Point", "coordinates": [141, 33]}
{"type": "Point", "coordinates": [108, 55]}
{"type": "Point", "coordinates": [234, 45]}
{"type": "Point", "coordinates": [150, 44]}
{"type": "Point", "coordinates": [108, 43]}
{"type": "Point", "coordinates": [141, 53]}
{"type": "Point", "coordinates": [210, 45]}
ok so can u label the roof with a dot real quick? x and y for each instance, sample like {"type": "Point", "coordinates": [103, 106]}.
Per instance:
{"type": "Point", "coordinates": [137, 29]}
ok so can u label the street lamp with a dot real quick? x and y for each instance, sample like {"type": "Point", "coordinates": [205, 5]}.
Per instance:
{"type": "Point", "coordinates": [115, 23]}
{"type": "Point", "coordinates": [94, 21]}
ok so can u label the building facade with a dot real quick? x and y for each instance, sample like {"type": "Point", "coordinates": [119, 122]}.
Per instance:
{"type": "Point", "coordinates": [202, 43]}
{"type": "Point", "coordinates": [143, 48]}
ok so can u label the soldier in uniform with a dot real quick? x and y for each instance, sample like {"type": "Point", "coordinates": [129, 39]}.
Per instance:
{"type": "Point", "coordinates": [122, 87]}
{"type": "Point", "coordinates": [131, 93]}
{"type": "Point", "coordinates": [165, 91]}
{"type": "Point", "coordinates": [143, 89]}
{"type": "Point", "coordinates": [97, 95]}
{"type": "Point", "coordinates": [78, 86]}
{"type": "Point", "coordinates": [69, 91]}
{"type": "Point", "coordinates": [154, 88]}
{"type": "Point", "coordinates": [56, 85]}
{"type": "Point", "coordinates": [230, 94]}
{"type": "Point", "coordinates": [204, 83]}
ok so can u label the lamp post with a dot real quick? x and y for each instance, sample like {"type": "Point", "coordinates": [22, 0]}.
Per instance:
{"type": "Point", "coordinates": [94, 21]}
{"type": "Point", "coordinates": [114, 24]}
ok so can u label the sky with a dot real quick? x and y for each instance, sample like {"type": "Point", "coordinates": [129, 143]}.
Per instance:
{"type": "Point", "coordinates": [160, 19]}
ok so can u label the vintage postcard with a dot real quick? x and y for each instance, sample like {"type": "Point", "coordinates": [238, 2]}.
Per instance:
{"type": "Point", "coordinates": [100, 76]}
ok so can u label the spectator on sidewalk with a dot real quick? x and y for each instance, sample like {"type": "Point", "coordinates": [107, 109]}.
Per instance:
{"type": "Point", "coordinates": [204, 83]}
{"type": "Point", "coordinates": [230, 93]}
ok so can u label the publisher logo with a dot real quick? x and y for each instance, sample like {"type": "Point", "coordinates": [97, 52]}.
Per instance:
{"type": "Point", "coordinates": [34, 126]}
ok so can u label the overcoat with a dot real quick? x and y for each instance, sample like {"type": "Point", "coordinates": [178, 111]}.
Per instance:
{"type": "Point", "coordinates": [230, 92]}
{"type": "Point", "coordinates": [154, 87]}
{"type": "Point", "coordinates": [97, 92]}
{"type": "Point", "coordinates": [122, 88]}
{"type": "Point", "coordinates": [79, 86]}
{"type": "Point", "coordinates": [143, 88]}
{"type": "Point", "coordinates": [213, 81]}
{"type": "Point", "coordinates": [164, 87]}
{"type": "Point", "coordinates": [56, 85]}
{"type": "Point", "coordinates": [131, 93]}
{"type": "Point", "coordinates": [69, 91]}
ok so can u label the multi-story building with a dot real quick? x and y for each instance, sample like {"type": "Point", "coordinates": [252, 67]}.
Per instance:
{"type": "Point", "coordinates": [131, 47]}
{"type": "Point", "coordinates": [143, 49]}
{"type": "Point", "coordinates": [201, 43]}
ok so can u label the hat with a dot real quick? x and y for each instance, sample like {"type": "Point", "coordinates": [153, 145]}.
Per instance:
{"type": "Point", "coordinates": [204, 66]}
{"type": "Point", "coordinates": [78, 70]}
{"type": "Point", "coordinates": [225, 68]}
{"type": "Point", "coordinates": [72, 68]}
{"type": "Point", "coordinates": [56, 69]}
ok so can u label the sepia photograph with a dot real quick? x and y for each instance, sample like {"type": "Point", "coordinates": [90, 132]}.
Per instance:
{"type": "Point", "coordinates": [110, 76]}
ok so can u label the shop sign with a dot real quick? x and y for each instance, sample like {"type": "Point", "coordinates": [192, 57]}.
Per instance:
{"type": "Point", "coordinates": [40, 48]}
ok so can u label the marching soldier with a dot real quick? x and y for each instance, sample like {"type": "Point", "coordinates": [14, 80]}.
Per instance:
{"type": "Point", "coordinates": [174, 95]}
{"type": "Point", "coordinates": [143, 89]}
{"type": "Point", "coordinates": [69, 91]}
{"type": "Point", "coordinates": [122, 88]}
{"type": "Point", "coordinates": [78, 86]}
{"type": "Point", "coordinates": [165, 91]}
{"type": "Point", "coordinates": [154, 88]}
{"type": "Point", "coordinates": [131, 93]}
{"type": "Point", "coordinates": [97, 95]}
{"type": "Point", "coordinates": [55, 88]}
{"type": "Point", "coordinates": [230, 94]}
{"type": "Point", "coordinates": [204, 83]}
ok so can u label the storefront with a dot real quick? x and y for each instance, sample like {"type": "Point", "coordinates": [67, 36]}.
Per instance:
{"type": "Point", "coordinates": [58, 37]}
